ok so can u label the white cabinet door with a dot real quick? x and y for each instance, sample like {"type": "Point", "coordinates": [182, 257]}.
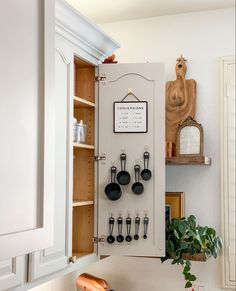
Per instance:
{"type": "Point", "coordinates": [55, 258]}
{"type": "Point", "coordinates": [26, 126]}
{"type": "Point", "coordinates": [12, 273]}
{"type": "Point", "coordinates": [146, 81]}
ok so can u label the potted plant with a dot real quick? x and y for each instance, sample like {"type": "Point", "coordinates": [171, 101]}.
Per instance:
{"type": "Point", "coordinates": [186, 241]}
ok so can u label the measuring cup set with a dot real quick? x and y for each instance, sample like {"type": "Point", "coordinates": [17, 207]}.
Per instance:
{"type": "Point", "coordinates": [113, 189]}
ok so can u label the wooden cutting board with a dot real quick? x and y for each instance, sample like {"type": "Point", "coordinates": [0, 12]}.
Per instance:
{"type": "Point", "coordinates": [180, 100]}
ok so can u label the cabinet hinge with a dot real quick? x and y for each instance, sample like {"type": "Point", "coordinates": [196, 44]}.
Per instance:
{"type": "Point", "coordinates": [100, 158]}
{"type": "Point", "coordinates": [102, 79]}
{"type": "Point", "coordinates": [98, 239]}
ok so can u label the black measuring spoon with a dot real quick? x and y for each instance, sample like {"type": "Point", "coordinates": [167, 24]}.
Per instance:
{"type": "Point", "coordinates": [145, 226]}
{"type": "Point", "coordinates": [137, 187]}
{"type": "Point", "coordinates": [137, 224]}
{"type": "Point", "coordinates": [146, 174]}
{"type": "Point", "coordinates": [123, 177]}
{"type": "Point", "coordinates": [113, 190]}
{"type": "Point", "coordinates": [110, 238]}
{"type": "Point", "coordinates": [120, 237]}
{"type": "Point", "coordinates": [128, 238]}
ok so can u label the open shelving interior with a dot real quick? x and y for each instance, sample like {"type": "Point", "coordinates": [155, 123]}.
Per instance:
{"type": "Point", "coordinates": [83, 163]}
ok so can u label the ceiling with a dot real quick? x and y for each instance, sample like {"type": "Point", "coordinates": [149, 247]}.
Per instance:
{"type": "Point", "coordinates": [103, 11]}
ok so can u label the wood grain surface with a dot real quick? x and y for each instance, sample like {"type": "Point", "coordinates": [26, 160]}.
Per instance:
{"type": "Point", "coordinates": [180, 100]}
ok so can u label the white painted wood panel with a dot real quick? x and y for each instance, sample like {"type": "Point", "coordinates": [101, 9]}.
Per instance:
{"type": "Point", "coordinates": [12, 273]}
{"type": "Point", "coordinates": [228, 144]}
{"type": "Point", "coordinates": [231, 169]}
{"type": "Point", "coordinates": [53, 259]}
{"type": "Point", "coordinates": [26, 125]}
{"type": "Point", "coordinates": [147, 83]}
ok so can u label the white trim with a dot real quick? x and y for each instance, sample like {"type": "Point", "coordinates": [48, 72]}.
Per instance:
{"type": "Point", "coordinates": [16, 276]}
{"type": "Point", "coordinates": [224, 62]}
{"type": "Point", "coordinates": [80, 31]}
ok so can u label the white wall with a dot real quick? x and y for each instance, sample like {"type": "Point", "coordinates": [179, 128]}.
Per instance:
{"type": "Point", "coordinates": [202, 37]}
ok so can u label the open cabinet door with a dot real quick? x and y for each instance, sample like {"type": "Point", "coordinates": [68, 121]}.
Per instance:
{"type": "Point", "coordinates": [26, 126]}
{"type": "Point", "coordinates": [132, 124]}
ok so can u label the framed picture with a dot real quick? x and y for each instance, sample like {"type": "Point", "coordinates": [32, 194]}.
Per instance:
{"type": "Point", "coordinates": [174, 205]}
{"type": "Point", "coordinates": [189, 139]}
{"type": "Point", "coordinates": [130, 117]}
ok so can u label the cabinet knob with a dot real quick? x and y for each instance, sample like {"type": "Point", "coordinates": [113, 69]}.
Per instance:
{"type": "Point", "coordinates": [72, 259]}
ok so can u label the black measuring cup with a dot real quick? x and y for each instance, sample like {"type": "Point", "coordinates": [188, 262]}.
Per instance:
{"type": "Point", "coordinates": [146, 174]}
{"type": "Point", "coordinates": [113, 190]}
{"type": "Point", "coordinates": [123, 177]}
{"type": "Point", "coordinates": [137, 187]}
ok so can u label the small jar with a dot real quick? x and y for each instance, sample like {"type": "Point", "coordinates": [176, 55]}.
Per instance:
{"type": "Point", "coordinates": [75, 135]}
{"type": "Point", "coordinates": [81, 132]}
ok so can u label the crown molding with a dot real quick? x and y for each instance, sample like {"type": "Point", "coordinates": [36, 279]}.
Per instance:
{"type": "Point", "coordinates": [80, 31]}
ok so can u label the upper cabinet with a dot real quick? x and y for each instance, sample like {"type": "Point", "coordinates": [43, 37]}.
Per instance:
{"type": "Point", "coordinates": [86, 91]}
{"type": "Point", "coordinates": [43, 150]}
{"type": "Point", "coordinates": [27, 33]}
{"type": "Point", "coordinates": [74, 97]}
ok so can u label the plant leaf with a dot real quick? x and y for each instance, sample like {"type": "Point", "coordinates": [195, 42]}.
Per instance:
{"type": "Point", "coordinates": [192, 278]}
{"type": "Point", "coordinates": [176, 233]}
{"type": "Point", "coordinates": [188, 263]}
{"type": "Point", "coordinates": [188, 284]}
{"type": "Point", "coordinates": [170, 247]}
{"type": "Point", "coordinates": [187, 276]}
{"type": "Point", "coordinates": [186, 269]}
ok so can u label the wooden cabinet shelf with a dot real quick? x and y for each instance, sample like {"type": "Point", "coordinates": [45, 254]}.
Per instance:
{"type": "Point", "coordinates": [83, 146]}
{"type": "Point", "coordinates": [188, 161]}
{"type": "Point", "coordinates": [83, 162]}
{"type": "Point", "coordinates": [81, 254]}
{"type": "Point", "coordinates": [77, 203]}
{"type": "Point", "coordinates": [80, 102]}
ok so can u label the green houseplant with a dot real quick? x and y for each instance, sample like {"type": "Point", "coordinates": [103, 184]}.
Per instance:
{"type": "Point", "coordinates": [186, 241]}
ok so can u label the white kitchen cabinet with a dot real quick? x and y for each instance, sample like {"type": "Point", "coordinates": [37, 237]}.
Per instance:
{"type": "Point", "coordinates": [92, 208]}
{"type": "Point", "coordinates": [26, 111]}
{"type": "Point", "coordinates": [93, 45]}
{"type": "Point", "coordinates": [81, 208]}
{"type": "Point", "coordinates": [81, 222]}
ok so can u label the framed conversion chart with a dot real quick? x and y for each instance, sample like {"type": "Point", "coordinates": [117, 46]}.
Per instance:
{"type": "Point", "coordinates": [131, 117]}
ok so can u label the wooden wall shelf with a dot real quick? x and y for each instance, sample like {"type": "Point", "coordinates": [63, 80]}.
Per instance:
{"type": "Point", "coordinates": [188, 161]}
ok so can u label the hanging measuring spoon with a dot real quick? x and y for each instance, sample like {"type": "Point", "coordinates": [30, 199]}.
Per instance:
{"type": "Point", "coordinates": [128, 228]}
{"type": "Point", "coordinates": [120, 237]}
{"type": "Point", "coordinates": [145, 226]}
{"type": "Point", "coordinates": [110, 238]}
{"type": "Point", "coordinates": [137, 224]}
